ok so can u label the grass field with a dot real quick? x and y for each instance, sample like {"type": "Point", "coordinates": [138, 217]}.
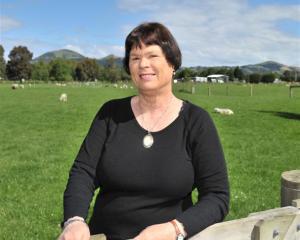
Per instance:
{"type": "Point", "coordinates": [40, 137]}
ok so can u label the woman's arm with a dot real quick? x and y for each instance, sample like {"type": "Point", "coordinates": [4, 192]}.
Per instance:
{"type": "Point", "coordinates": [211, 178]}
{"type": "Point", "coordinates": [82, 180]}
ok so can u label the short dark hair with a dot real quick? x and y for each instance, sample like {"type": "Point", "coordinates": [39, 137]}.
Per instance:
{"type": "Point", "coordinates": [153, 33]}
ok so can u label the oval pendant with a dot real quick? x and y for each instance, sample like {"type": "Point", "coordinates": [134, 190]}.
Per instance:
{"type": "Point", "coordinates": [148, 140]}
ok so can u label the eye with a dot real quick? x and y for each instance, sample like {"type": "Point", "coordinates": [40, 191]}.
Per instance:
{"type": "Point", "coordinates": [153, 56]}
{"type": "Point", "coordinates": [134, 58]}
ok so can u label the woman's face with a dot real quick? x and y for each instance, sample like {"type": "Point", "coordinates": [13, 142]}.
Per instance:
{"type": "Point", "coordinates": [149, 68]}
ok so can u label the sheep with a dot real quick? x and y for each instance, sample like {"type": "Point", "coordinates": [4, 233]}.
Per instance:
{"type": "Point", "coordinates": [63, 97]}
{"type": "Point", "coordinates": [223, 111]}
{"type": "Point", "coordinates": [15, 86]}
{"type": "Point", "coordinates": [22, 86]}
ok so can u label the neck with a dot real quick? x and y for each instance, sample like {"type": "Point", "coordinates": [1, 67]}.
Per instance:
{"type": "Point", "coordinates": [152, 103]}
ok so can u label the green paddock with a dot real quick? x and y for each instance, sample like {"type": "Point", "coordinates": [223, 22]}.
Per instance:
{"type": "Point", "coordinates": [40, 137]}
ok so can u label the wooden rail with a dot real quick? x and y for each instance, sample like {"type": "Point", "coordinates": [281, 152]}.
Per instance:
{"type": "Point", "coordinates": [275, 224]}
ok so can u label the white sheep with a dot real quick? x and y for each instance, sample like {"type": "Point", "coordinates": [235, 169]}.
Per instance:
{"type": "Point", "coordinates": [15, 86]}
{"type": "Point", "coordinates": [223, 111]}
{"type": "Point", "coordinates": [63, 97]}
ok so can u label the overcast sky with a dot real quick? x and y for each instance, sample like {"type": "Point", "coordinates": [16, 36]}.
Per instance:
{"type": "Point", "coordinates": [209, 32]}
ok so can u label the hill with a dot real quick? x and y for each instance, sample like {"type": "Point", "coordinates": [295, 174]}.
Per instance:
{"type": "Point", "coordinates": [63, 53]}
{"type": "Point", "coordinates": [261, 68]}
{"type": "Point", "coordinates": [72, 55]}
{"type": "Point", "coordinates": [118, 61]}
{"type": "Point", "coordinates": [264, 67]}
{"type": "Point", "coordinates": [268, 66]}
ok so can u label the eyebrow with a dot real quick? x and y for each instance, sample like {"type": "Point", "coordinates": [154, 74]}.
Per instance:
{"type": "Point", "coordinates": [150, 52]}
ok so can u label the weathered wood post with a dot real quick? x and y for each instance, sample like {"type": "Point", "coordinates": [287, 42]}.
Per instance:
{"type": "Point", "coordinates": [98, 237]}
{"type": "Point", "coordinates": [209, 91]}
{"type": "Point", "coordinates": [251, 90]}
{"type": "Point", "coordinates": [193, 89]}
{"type": "Point", "coordinates": [290, 187]}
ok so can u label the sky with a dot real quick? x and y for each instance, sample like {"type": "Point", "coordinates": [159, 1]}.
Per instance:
{"type": "Point", "coordinates": [209, 32]}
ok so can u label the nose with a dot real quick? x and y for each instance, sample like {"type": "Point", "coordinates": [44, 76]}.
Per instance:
{"type": "Point", "coordinates": [144, 62]}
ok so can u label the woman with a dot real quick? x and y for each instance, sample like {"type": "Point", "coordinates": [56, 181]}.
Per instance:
{"type": "Point", "coordinates": [147, 153]}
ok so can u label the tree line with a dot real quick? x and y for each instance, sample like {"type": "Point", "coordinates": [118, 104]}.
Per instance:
{"type": "Point", "coordinates": [20, 66]}
{"type": "Point", "coordinates": [236, 74]}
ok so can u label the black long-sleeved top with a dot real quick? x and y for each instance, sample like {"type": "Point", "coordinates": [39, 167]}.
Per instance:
{"type": "Point", "coordinates": [141, 187]}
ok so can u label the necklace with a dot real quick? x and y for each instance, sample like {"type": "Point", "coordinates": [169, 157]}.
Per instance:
{"type": "Point", "coordinates": [148, 139]}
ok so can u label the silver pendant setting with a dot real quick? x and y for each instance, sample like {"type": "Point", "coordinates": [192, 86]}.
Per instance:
{"type": "Point", "coordinates": [148, 140]}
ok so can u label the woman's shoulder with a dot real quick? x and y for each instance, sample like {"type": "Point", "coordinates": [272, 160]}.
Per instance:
{"type": "Point", "coordinates": [193, 111]}
{"type": "Point", "coordinates": [116, 103]}
{"type": "Point", "coordinates": [115, 107]}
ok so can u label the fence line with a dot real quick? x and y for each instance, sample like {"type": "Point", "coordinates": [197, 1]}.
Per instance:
{"type": "Point", "coordinates": [218, 89]}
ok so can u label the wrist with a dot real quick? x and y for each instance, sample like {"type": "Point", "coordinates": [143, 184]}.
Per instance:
{"type": "Point", "coordinates": [72, 220]}
{"type": "Point", "coordinates": [179, 229]}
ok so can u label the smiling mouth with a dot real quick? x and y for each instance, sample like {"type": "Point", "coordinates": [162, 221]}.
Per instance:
{"type": "Point", "coordinates": [147, 76]}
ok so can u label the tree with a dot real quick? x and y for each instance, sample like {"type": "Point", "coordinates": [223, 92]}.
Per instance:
{"type": "Point", "coordinates": [268, 78]}
{"type": "Point", "coordinates": [254, 78]}
{"type": "Point", "coordinates": [19, 67]}
{"type": "Point", "coordinates": [230, 74]}
{"type": "Point", "coordinates": [60, 70]}
{"type": "Point", "coordinates": [207, 71]}
{"type": "Point", "coordinates": [40, 71]}
{"type": "Point", "coordinates": [287, 76]}
{"type": "Point", "coordinates": [111, 72]}
{"type": "Point", "coordinates": [238, 73]}
{"type": "Point", "coordinates": [185, 74]}
{"type": "Point", "coordinates": [87, 70]}
{"type": "Point", "coordinates": [2, 64]}
{"type": "Point", "coordinates": [124, 75]}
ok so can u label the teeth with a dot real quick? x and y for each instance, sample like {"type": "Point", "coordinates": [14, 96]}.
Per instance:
{"type": "Point", "coordinates": [146, 76]}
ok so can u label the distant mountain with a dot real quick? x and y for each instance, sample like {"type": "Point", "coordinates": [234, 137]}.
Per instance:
{"type": "Point", "coordinates": [268, 66]}
{"type": "Point", "coordinates": [118, 61]}
{"type": "Point", "coordinates": [72, 55]}
{"type": "Point", "coordinates": [264, 67]}
{"type": "Point", "coordinates": [63, 53]}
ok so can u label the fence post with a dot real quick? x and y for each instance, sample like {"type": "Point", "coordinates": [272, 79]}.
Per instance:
{"type": "Point", "coordinates": [296, 203]}
{"type": "Point", "coordinates": [290, 187]}
{"type": "Point", "coordinates": [291, 92]}
{"type": "Point", "coordinates": [193, 89]}
{"type": "Point", "coordinates": [251, 90]}
{"type": "Point", "coordinates": [208, 90]}
{"type": "Point", "coordinates": [227, 90]}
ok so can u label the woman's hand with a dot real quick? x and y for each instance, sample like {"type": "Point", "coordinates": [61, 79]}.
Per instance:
{"type": "Point", "coordinates": [164, 231]}
{"type": "Point", "coordinates": [75, 231]}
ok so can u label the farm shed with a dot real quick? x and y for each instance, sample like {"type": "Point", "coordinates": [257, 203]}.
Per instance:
{"type": "Point", "coordinates": [217, 78]}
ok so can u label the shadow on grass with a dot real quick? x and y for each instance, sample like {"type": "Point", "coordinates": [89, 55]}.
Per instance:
{"type": "Point", "coordinates": [288, 115]}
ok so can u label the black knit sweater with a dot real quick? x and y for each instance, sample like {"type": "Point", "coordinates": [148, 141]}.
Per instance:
{"type": "Point", "coordinates": [141, 187]}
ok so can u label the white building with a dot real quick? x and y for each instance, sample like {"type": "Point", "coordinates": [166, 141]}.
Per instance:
{"type": "Point", "coordinates": [199, 79]}
{"type": "Point", "coordinates": [217, 78]}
